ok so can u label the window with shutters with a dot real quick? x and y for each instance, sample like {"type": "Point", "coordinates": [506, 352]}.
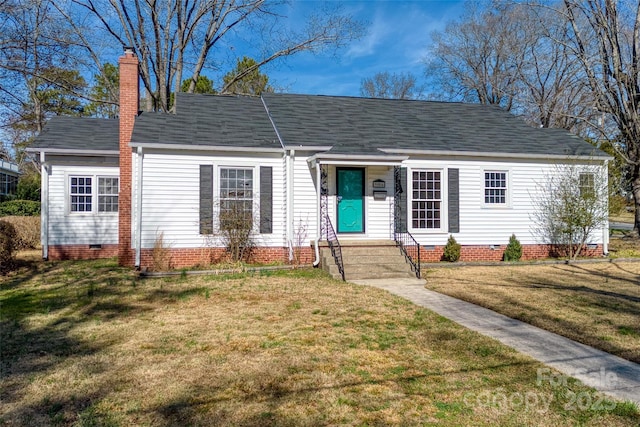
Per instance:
{"type": "Point", "coordinates": [426, 199]}
{"type": "Point", "coordinates": [236, 197]}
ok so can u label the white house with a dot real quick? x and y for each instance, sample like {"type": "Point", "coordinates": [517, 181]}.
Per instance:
{"type": "Point", "coordinates": [340, 168]}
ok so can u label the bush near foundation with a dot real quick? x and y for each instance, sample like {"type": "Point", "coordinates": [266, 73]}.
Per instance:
{"type": "Point", "coordinates": [7, 245]}
{"type": "Point", "coordinates": [451, 250]}
{"type": "Point", "coordinates": [27, 230]}
{"type": "Point", "coordinates": [513, 251]}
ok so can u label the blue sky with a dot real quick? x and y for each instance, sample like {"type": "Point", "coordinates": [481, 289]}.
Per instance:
{"type": "Point", "coordinates": [396, 40]}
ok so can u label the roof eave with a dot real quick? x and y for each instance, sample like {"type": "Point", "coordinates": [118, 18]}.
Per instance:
{"type": "Point", "coordinates": [72, 151]}
{"type": "Point", "coordinates": [532, 156]}
{"type": "Point", "coordinates": [204, 147]}
{"type": "Point", "coordinates": [328, 157]}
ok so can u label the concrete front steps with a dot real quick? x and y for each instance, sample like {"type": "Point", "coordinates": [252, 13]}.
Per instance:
{"type": "Point", "coordinates": [367, 259]}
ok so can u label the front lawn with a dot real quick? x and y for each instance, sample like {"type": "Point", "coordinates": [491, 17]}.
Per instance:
{"type": "Point", "coordinates": [86, 343]}
{"type": "Point", "coordinates": [597, 304]}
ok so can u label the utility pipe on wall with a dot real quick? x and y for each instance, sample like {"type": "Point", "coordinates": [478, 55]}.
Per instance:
{"type": "Point", "coordinates": [139, 208]}
{"type": "Point", "coordinates": [44, 227]}
{"type": "Point", "coordinates": [290, 214]}
{"type": "Point", "coordinates": [316, 262]}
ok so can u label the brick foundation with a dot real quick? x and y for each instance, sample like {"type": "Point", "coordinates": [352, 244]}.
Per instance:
{"type": "Point", "coordinates": [203, 257]}
{"type": "Point", "coordinates": [182, 258]}
{"type": "Point", "coordinates": [472, 253]}
{"type": "Point", "coordinates": [64, 252]}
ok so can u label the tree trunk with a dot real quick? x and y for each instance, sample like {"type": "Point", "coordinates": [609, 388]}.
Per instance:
{"type": "Point", "coordinates": [635, 190]}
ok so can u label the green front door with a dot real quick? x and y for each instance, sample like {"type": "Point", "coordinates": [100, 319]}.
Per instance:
{"type": "Point", "coordinates": [350, 195]}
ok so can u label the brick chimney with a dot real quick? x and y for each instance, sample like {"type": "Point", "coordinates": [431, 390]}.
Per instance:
{"type": "Point", "coordinates": [129, 107]}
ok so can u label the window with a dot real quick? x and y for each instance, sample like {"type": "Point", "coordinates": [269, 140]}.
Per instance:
{"type": "Point", "coordinates": [426, 199]}
{"type": "Point", "coordinates": [495, 188]}
{"type": "Point", "coordinates": [587, 185]}
{"type": "Point", "coordinates": [107, 194]}
{"type": "Point", "coordinates": [83, 192]}
{"type": "Point", "coordinates": [8, 183]}
{"type": "Point", "coordinates": [236, 198]}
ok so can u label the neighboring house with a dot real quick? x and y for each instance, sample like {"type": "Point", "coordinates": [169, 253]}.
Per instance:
{"type": "Point", "coordinates": [302, 167]}
{"type": "Point", "coordinates": [9, 174]}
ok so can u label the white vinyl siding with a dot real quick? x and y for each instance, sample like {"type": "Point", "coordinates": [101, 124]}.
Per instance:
{"type": "Point", "coordinates": [482, 226]}
{"type": "Point", "coordinates": [304, 201]}
{"type": "Point", "coordinates": [171, 195]}
{"type": "Point", "coordinates": [379, 213]}
{"type": "Point", "coordinates": [78, 228]}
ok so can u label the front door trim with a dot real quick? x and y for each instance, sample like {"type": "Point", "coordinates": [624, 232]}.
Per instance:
{"type": "Point", "coordinates": [362, 200]}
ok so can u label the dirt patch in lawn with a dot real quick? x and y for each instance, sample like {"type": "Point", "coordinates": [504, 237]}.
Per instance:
{"type": "Point", "coordinates": [597, 304]}
{"type": "Point", "coordinates": [86, 343]}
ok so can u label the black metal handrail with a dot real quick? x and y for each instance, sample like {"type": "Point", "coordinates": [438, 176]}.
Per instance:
{"type": "Point", "coordinates": [410, 248]}
{"type": "Point", "coordinates": [334, 245]}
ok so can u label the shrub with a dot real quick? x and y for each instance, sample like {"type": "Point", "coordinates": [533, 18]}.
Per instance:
{"type": "Point", "coordinates": [27, 231]}
{"type": "Point", "coordinates": [513, 251]}
{"type": "Point", "coordinates": [20, 208]}
{"type": "Point", "coordinates": [7, 244]}
{"type": "Point", "coordinates": [236, 230]}
{"type": "Point", "coordinates": [161, 254]}
{"type": "Point", "coordinates": [451, 250]}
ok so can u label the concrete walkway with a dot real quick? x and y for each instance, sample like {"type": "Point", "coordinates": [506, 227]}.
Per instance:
{"type": "Point", "coordinates": [609, 374]}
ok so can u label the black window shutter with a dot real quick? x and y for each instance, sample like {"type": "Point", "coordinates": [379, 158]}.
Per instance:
{"type": "Point", "coordinates": [266, 199]}
{"type": "Point", "coordinates": [206, 199]}
{"type": "Point", "coordinates": [454, 200]}
{"type": "Point", "coordinates": [401, 190]}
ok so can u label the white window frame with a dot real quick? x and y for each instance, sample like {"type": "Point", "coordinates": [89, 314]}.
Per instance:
{"type": "Point", "coordinates": [507, 189]}
{"type": "Point", "coordinates": [95, 194]}
{"type": "Point", "coordinates": [587, 186]}
{"type": "Point", "coordinates": [255, 172]}
{"type": "Point", "coordinates": [443, 201]}
{"type": "Point", "coordinates": [111, 196]}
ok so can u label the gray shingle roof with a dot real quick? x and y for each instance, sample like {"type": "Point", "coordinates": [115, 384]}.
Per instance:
{"type": "Point", "coordinates": [360, 126]}
{"type": "Point", "coordinates": [78, 133]}
{"type": "Point", "coordinates": [209, 120]}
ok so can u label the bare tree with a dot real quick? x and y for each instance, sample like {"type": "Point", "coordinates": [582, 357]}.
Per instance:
{"type": "Point", "coordinates": [507, 54]}
{"type": "Point", "coordinates": [604, 36]}
{"type": "Point", "coordinates": [475, 58]}
{"type": "Point", "coordinates": [174, 38]}
{"type": "Point", "coordinates": [571, 204]}
{"type": "Point", "coordinates": [391, 86]}
{"type": "Point", "coordinates": [554, 93]}
{"type": "Point", "coordinates": [39, 76]}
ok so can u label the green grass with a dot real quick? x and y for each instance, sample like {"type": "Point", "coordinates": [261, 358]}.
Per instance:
{"type": "Point", "coordinates": [86, 344]}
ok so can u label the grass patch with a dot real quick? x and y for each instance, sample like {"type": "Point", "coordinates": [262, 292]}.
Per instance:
{"type": "Point", "coordinates": [597, 304]}
{"type": "Point", "coordinates": [84, 343]}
